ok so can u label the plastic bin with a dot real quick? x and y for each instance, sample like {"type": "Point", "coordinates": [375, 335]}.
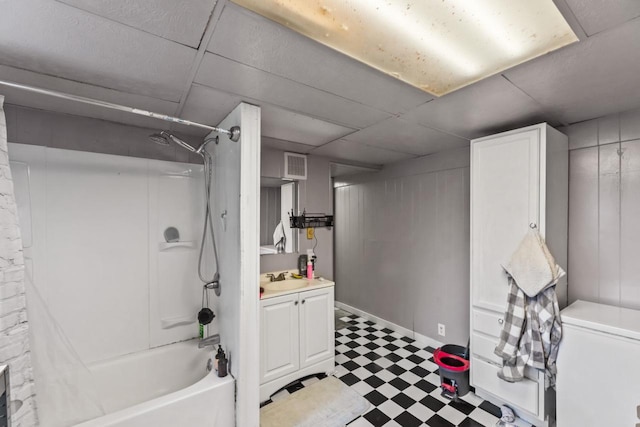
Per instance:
{"type": "Point", "coordinates": [453, 364]}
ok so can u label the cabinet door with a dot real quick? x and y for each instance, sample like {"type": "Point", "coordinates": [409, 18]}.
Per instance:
{"type": "Point", "coordinates": [278, 337]}
{"type": "Point", "coordinates": [316, 326]}
{"type": "Point", "coordinates": [505, 199]}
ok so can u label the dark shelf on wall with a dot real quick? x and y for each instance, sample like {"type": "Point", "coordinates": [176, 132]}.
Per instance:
{"type": "Point", "coordinates": [310, 220]}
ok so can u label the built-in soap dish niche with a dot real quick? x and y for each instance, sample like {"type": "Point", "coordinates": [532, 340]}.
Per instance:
{"type": "Point", "coordinates": [172, 240]}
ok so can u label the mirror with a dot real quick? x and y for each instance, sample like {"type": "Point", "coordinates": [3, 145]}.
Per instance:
{"type": "Point", "coordinates": [277, 198]}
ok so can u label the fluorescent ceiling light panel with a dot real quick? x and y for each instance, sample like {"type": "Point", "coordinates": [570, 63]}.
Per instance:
{"type": "Point", "coordinates": [436, 45]}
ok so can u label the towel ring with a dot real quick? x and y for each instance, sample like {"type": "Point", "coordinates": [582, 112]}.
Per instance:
{"type": "Point", "coordinates": [533, 226]}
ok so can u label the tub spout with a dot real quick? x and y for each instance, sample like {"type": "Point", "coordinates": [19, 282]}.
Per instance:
{"type": "Point", "coordinates": [211, 341]}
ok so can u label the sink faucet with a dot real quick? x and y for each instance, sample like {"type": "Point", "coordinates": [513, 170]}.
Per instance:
{"type": "Point", "coordinates": [210, 341]}
{"type": "Point", "coordinates": [282, 276]}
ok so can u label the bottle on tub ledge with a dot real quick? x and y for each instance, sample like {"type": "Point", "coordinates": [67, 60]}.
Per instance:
{"type": "Point", "coordinates": [223, 365]}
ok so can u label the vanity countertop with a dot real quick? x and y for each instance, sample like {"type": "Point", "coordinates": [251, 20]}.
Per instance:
{"type": "Point", "coordinates": [305, 285]}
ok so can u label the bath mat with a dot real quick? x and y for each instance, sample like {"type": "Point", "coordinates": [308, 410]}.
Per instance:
{"type": "Point", "coordinates": [327, 403]}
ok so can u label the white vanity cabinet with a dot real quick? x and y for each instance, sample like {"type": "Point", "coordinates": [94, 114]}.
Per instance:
{"type": "Point", "coordinates": [519, 179]}
{"type": "Point", "coordinates": [296, 337]}
{"type": "Point", "coordinates": [317, 335]}
{"type": "Point", "coordinates": [279, 331]}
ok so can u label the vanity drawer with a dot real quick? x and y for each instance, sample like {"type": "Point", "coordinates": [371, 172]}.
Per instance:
{"type": "Point", "coordinates": [483, 346]}
{"type": "Point", "coordinates": [523, 393]}
{"type": "Point", "coordinates": [487, 322]}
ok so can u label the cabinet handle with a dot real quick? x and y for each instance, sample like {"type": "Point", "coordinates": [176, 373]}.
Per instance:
{"type": "Point", "coordinates": [303, 301]}
{"type": "Point", "coordinates": [501, 321]}
{"type": "Point", "coordinates": [533, 226]}
{"type": "Point", "coordinates": [295, 303]}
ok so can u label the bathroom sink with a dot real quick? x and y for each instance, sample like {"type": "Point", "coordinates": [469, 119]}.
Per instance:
{"type": "Point", "coordinates": [284, 285]}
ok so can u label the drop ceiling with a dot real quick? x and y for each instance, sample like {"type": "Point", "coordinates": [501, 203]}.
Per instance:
{"type": "Point", "coordinates": [198, 62]}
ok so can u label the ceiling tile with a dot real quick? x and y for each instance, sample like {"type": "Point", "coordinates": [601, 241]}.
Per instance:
{"type": "Point", "coordinates": [489, 106]}
{"type": "Point", "coordinates": [249, 82]}
{"type": "Point", "coordinates": [593, 78]}
{"type": "Point", "coordinates": [254, 40]}
{"type": "Point", "coordinates": [289, 126]}
{"type": "Point", "coordinates": [45, 102]}
{"type": "Point", "coordinates": [357, 152]}
{"type": "Point", "coordinates": [55, 39]}
{"type": "Point", "coordinates": [278, 144]}
{"type": "Point", "coordinates": [208, 106]}
{"type": "Point", "coordinates": [599, 15]}
{"type": "Point", "coordinates": [168, 19]}
{"type": "Point", "coordinates": [406, 137]}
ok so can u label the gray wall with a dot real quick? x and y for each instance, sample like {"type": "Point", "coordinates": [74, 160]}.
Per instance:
{"type": "Point", "coordinates": [402, 244]}
{"type": "Point", "coordinates": [315, 195]}
{"type": "Point", "coordinates": [56, 130]}
{"type": "Point", "coordinates": [604, 210]}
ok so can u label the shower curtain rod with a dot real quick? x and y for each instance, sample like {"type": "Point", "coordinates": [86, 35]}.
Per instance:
{"type": "Point", "coordinates": [234, 133]}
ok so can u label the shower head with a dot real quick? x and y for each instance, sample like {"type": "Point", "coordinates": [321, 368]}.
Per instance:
{"type": "Point", "coordinates": [165, 138]}
{"type": "Point", "coordinates": [159, 138]}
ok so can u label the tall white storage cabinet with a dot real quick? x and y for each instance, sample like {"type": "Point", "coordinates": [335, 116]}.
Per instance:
{"type": "Point", "coordinates": [598, 379]}
{"type": "Point", "coordinates": [519, 179]}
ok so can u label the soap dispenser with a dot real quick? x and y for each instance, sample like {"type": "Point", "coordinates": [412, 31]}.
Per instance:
{"type": "Point", "coordinates": [311, 263]}
{"type": "Point", "coordinates": [309, 269]}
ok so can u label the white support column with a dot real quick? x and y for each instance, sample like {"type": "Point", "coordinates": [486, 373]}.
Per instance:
{"type": "Point", "coordinates": [14, 329]}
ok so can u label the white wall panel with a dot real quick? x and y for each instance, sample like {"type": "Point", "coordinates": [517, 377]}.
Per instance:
{"type": "Point", "coordinates": [630, 225]}
{"type": "Point", "coordinates": [604, 208]}
{"type": "Point", "coordinates": [402, 247]}
{"type": "Point", "coordinates": [609, 225]}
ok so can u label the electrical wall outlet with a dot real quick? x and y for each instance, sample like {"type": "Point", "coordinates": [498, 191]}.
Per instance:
{"type": "Point", "coordinates": [310, 232]}
{"type": "Point", "coordinates": [441, 330]}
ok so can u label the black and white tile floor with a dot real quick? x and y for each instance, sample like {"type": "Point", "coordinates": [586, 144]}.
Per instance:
{"type": "Point", "coordinates": [400, 380]}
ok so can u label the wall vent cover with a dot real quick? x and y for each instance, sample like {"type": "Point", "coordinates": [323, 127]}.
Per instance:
{"type": "Point", "coordinates": [295, 166]}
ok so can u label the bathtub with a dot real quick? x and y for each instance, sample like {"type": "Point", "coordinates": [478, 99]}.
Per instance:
{"type": "Point", "coordinates": [163, 387]}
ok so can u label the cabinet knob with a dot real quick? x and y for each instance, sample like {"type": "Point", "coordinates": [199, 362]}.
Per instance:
{"type": "Point", "coordinates": [533, 226]}
{"type": "Point", "coordinates": [501, 321]}
{"type": "Point", "coordinates": [295, 303]}
{"type": "Point", "coordinates": [303, 301]}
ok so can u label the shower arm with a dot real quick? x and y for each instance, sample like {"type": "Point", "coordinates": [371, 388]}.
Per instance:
{"type": "Point", "coordinates": [233, 133]}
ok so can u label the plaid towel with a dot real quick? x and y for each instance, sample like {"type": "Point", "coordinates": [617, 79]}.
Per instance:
{"type": "Point", "coordinates": [530, 334]}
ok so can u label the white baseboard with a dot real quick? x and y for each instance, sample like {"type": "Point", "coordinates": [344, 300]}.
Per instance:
{"type": "Point", "coordinates": [422, 340]}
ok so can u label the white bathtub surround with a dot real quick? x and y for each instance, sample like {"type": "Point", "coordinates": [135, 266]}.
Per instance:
{"type": "Point", "coordinates": [236, 214]}
{"type": "Point", "coordinates": [102, 217]}
{"type": "Point", "coordinates": [14, 329]}
{"type": "Point", "coordinates": [163, 387]}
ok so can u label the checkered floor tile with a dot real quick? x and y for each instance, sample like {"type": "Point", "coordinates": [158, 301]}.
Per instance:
{"type": "Point", "coordinates": [400, 380]}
